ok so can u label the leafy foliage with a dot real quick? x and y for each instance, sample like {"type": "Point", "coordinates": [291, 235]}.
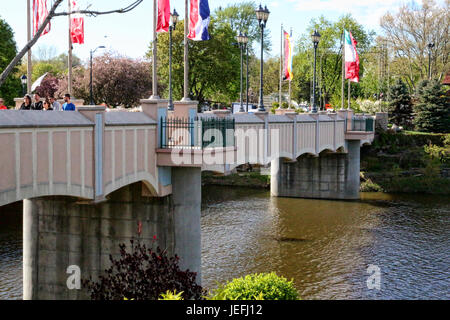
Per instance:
{"type": "Point", "coordinates": [263, 286]}
{"type": "Point", "coordinates": [117, 81]}
{"type": "Point", "coordinates": [329, 59]}
{"type": "Point", "coordinates": [8, 50]}
{"type": "Point", "coordinates": [143, 274]}
{"type": "Point", "coordinates": [409, 31]}
{"type": "Point", "coordinates": [433, 109]}
{"type": "Point", "coordinates": [241, 17]}
{"type": "Point", "coordinates": [169, 295]}
{"type": "Point", "coordinates": [400, 106]}
{"type": "Point", "coordinates": [214, 65]}
{"type": "Point", "coordinates": [49, 86]}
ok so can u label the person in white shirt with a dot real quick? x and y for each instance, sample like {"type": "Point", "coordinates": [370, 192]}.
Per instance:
{"type": "Point", "coordinates": [55, 104]}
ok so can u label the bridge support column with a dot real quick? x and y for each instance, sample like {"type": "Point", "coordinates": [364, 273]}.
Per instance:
{"type": "Point", "coordinates": [329, 176]}
{"type": "Point", "coordinates": [187, 196]}
{"type": "Point", "coordinates": [60, 232]}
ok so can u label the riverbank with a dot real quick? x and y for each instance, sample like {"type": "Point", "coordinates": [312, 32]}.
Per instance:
{"type": "Point", "coordinates": [409, 162]}
{"type": "Point", "coordinates": [406, 162]}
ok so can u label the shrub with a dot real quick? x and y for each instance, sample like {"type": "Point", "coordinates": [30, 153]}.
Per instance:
{"type": "Point", "coordinates": [263, 286]}
{"type": "Point", "coordinates": [169, 295]}
{"type": "Point", "coordinates": [143, 274]}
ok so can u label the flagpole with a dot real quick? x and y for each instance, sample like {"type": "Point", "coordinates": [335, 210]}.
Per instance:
{"type": "Point", "coordinates": [29, 63]}
{"type": "Point", "coordinates": [343, 71]}
{"type": "Point", "coordinates": [281, 69]}
{"type": "Point", "coordinates": [155, 55]}
{"type": "Point", "coordinates": [349, 89]}
{"type": "Point", "coordinates": [69, 59]}
{"type": "Point", "coordinates": [290, 80]}
{"type": "Point", "coordinates": [186, 52]}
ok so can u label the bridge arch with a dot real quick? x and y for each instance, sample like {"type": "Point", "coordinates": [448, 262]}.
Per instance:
{"type": "Point", "coordinates": [146, 178]}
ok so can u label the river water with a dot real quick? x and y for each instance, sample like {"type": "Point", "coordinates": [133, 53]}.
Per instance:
{"type": "Point", "coordinates": [325, 246]}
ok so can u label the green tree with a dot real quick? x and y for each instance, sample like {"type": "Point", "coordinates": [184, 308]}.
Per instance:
{"type": "Point", "coordinates": [117, 81]}
{"type": "Point", "coordinates": [213, 65]}
{"type": "Point", "coordinates": [433, 111]}
{"type": "Point", "coordinates": [8, 50]}
{"type": "Point", "coordinates": [242, 18]}
{"type": "Point", "coordinates": [329, 58]}
{"type": "Point", "coordinates": [400, 106]}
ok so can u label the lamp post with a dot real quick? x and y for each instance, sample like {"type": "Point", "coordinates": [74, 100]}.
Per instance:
{"type": "Point", "coordinates": [23, 80]}
{"type": "Point", "coordinates": [430, 48]}
{"type": "Point", "coordinates": [91, 92]}
{"type": "Point", "coordinates": [315, 39]}
{"type": "Point", "coordinates": [262, 15]}
{"type": "Point", "coordinates": [242, 40]}
{"type": "Point", "coordinates": [173, 23]}
{"type": "Point", "coordinates": [246, 78]}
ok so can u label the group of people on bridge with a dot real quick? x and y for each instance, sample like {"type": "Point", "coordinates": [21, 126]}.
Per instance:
{"type": "Point", "coordinates": [49, 103]}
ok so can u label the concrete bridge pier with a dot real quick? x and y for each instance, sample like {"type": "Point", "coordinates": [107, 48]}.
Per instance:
{"type": "Point", "coordinates": [327, 176]}
{"type": "Point", "coordinates": [62, 234]}
{"type": "Point", "coordinates": [187, 201]}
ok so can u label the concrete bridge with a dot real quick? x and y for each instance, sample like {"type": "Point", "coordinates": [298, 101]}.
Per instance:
{"type": "Point", "coordinates": [88, 178]}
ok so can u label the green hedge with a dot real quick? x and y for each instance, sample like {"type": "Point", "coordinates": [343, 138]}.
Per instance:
{"type": "Point", "coordinates": [263, 286]}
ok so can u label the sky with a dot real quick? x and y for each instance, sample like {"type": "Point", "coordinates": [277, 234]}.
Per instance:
{"type": "Point", "coordinates": [129, 34]}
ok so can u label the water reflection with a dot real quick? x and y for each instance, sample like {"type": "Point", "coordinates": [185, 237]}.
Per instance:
{"type": "Point", "coordinates": [326, 246]}
{"type": "Point", "coordinates": [11, 252]}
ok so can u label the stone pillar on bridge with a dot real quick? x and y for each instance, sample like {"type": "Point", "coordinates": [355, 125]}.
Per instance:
{"type": "Point", "coordinates": [328, 176]}
{"type": "Point", "coordinates": [60, 232]}
{"type": "Point", "coordinates": [187, 196]}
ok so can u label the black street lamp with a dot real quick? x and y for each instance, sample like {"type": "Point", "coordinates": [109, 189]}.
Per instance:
{"type": "Point", "coordinates": [23, 80]}
{"type": "Point", "coordinates": [242, 40]}
{"type": "Point", "coordinates": [430, 48]}
{"type": "Point", "coordinates": [262, 15]}
{"type": "Point", "coordinates": [91, 92]}
{"type": "Point", "coordinates": [174, 20]}
{"type": "Point", "coordinates": [315, 39]}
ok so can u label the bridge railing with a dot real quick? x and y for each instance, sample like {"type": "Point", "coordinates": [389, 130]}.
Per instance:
{"type": "Point", "coordinates": [196, 133]}
{"type": "Point", "coordinates": [363, 123]}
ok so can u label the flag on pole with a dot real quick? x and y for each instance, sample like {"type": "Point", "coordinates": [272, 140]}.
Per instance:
{"type": "Point", "coordinates": [163, 16]}
{"type": "Point", "coordinates": [199, 20]}
{"type": "Point", "coordinates": [288, 75]}
{"type": "Point", "coordinates": [40, 13]}
{"type": "Point", "coordinates": [76, 25]}
{"type": "Point", "coordinates": [38, 82]}
{"type": "Point", "coordinates": [351, 57]}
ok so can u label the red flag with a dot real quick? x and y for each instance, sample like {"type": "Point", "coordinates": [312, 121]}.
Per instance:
{"type": "Point", "coordinates": [40, 13]}
{"type": "Point", "coordinates": [351, 57]}
{"type": "Point", "coordinates": [76, 25]}
{"type": "Point", "coordinates": [288, 75]}
{"type": "Point", "coordinates": [163, 16]}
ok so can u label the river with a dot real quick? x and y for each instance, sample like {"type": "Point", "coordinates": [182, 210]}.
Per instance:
{"type": "Point", "coordinates": [324, 246]}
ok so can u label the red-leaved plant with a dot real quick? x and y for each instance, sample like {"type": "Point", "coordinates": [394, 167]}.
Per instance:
{"type": "Point", "coordinates": [143, 274]}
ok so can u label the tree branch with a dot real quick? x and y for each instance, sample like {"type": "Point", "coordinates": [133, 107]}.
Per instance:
{"type": "Point", "coordinates": [50, 15]}
{"type": "Point", "coordinates": [96, 13]}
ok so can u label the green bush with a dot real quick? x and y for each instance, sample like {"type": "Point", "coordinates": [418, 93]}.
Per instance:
{"type": "Point", "coordinates": [169, 295]}
{"type": "Point", "coordinates": [262, 286]}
